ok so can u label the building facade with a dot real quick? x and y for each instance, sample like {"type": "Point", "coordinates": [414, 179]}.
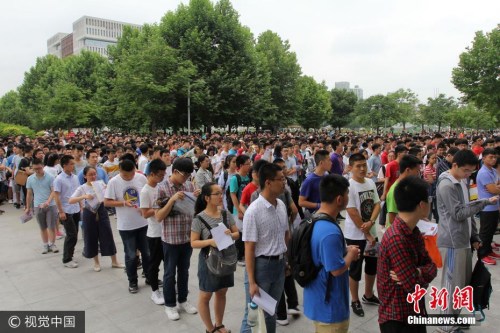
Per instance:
{"type": "Point", "coordinates": [346, 86]}
{"type": "Point", "coordinates": [89, 33]}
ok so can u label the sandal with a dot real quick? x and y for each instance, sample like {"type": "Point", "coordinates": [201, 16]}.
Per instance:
{"type": "Point", "coordinates": [217, 329]}
{"type": "Point", "coordinates": [118, 265]}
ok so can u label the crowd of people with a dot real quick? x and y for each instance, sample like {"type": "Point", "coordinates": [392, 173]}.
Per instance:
{"type": "Point", "coordinates": [169, 191]}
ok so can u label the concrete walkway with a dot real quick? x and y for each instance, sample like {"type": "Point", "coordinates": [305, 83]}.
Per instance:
{"type": "Point", "coordinates": [30, 280]}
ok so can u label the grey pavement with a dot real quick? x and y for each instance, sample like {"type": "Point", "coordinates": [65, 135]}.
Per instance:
{"type": "Point", "coordinates": [30, 280]}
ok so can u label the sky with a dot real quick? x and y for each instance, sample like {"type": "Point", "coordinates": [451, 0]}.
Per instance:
{"type": "Point", "coordinates": [379, 45]}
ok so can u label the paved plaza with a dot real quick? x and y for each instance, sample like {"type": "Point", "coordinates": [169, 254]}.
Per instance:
{"type": "Point", "coordinates": [30, 280]}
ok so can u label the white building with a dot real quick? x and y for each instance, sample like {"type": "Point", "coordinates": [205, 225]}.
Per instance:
{"type": "Point", "coordinates": [344, 85]}
{"type": "Point", "coordinates": [91, 34]}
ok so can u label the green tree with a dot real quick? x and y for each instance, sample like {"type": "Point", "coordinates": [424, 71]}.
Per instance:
{"type": "Point", "coordinates": [477, 74]}
{"type": "Point", "coordinates": [222, 51]}
{"type": "Point", "coordinates": [437, 110]}
{"type": "Point", "coordinates": [149, 77]}
{"type": "Point", "coordinates": [376, 112]}
{"type": "Point", "coordinates": [284, 70]}
{"type": "Point", "coordinates": [343, 103]}
{"type": "Point", "coordinates": [11, 110]}
{"type": "Point", "coordinates": [314, 107]}
{"type": "Point", "coordinates": [406, 102]}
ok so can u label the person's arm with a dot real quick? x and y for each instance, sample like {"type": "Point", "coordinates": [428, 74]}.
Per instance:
{"type": "Point", "coordinates": [57, 197]}
{"type": "Point", "coordinates": [197, 243]}
{"type": "Point", "coordinates": [162, 213]}
{"type": "Point", "coordinates": [74, 200]}
{"type": "Point", "coordinates": [386, 186]}
{"type": "Point", "coordinates": [253, 288]}
{"type": "Point", "coordinates": [29, 199]}
{"type": "Point", "coordinates": [294, 210]}
{"type": "Point", "coordinates": [303, 202]}
{"type": "Point", "coordinates": [352, 255]}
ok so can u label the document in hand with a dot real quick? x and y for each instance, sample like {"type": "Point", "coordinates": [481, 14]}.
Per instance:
{"type": "Point", "coordinates": [26, 217]}
{"type": "Point", "coordinates": [99, 188]}
{"type": "Point", "coordinates": [427, 228]}
{"type": "Point", "coordinates": [222, 239]}
{"type": "Point", "coordinates": [185, 206]}
{"type": "Point", "coordinates": [265, 301]}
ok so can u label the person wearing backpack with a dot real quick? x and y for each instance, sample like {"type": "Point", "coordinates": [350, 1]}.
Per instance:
{"type": "Point", "coordinates": [326, 297]}
{"type": "Point", "coordinates": [229, 171]}
{"type": "Point", "coordinates": [457, 232]}
{"type": "Point", "coordinates": [236, 185]}
{"type": "Point", "coordinates": [207, 211]}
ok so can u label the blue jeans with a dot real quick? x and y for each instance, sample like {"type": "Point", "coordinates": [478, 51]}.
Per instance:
{"type": "Point", "coordinates": [133, 240]}
{"type": "Point", "coordinates": [176, 257]}
{"type": "Point", "coordinates": [270, 277]}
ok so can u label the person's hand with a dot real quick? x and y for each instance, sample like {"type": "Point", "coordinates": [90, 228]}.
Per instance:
{"type": "Point", "coordinates": [477, 245]}
{"type": "Point", "coordinates": [62, 216]}
{"type": "Point", "coordinates": [178, 196]}
{"type": "Point", "coordinates": [88, 196]}
{"type": "Point", "coordinates": [213, 243]}
{"type": "Point", "coordinates": [394, 277]}
{"type": "Point", "coordinates": [253, 289]}
{"type": "Point", "coordinates": [27, 210]}
{"type": "Point", "coordinates": [366, 226]}
{"type": "Point", "coordinates": [227, 232]}
{"type": "Point", "coordinates": [371, 239]}
{"type": "Point", "coordinates": [353, 252]}
{"type": "Point", "coordinates": [197, 192]}
{"type": "Point", "coordinates": [240, 215]}
{"type": "Point", "coordinates": [382, 197]}
{"type": "Point", "coordinates": [493, 200]}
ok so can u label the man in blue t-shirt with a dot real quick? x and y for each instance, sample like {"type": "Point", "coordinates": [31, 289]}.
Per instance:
{"type": "Point", "coordinates": [488, 186]}
{"type": "Point", "coordinates": [309, 191]}
{"type": "Point", "coordinates": [330, 311]}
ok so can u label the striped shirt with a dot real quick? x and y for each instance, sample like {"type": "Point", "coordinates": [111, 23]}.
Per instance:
{"type": "Point", "coordinates": [176, 227]}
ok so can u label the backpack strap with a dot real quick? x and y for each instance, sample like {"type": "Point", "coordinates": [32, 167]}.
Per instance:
{"type": "Point", "coordinates": [224, 218]}
{"type": "Point", "coordinates": [326, 217]}
{"type": "Point", "coordinates": [206, 224]}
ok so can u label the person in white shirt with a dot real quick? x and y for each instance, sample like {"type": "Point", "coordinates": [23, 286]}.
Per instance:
{"type": "Point", "coordinates": [362, 211]}
{"type": "Point", "coordinates": [122, 192]}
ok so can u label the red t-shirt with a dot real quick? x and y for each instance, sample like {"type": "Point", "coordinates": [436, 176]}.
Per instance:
{"type": "Point", "coordinates": [246, 194]}
{"type": "Point", "coordinates": [383, 158]}
{"type": "Point", "coordinates": [392, 171]}
{"type": "Point", "coordinates": [478, 150]}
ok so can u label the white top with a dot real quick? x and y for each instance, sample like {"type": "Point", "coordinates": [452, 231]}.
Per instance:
{"type": "Point", "coordinates": [363, 197]}
{"type": "Point", "coordinates": [128, 218]}
{"type": "Point", "coordinates": [148, 197]}
{"type": "Point", "coordinates": [92, 204]}
{"type": "Point", "coordinates": [143, 161]}
{"type": "Point", "coordinates": [266, 225]}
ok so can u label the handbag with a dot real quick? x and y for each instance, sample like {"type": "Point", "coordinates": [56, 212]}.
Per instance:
{"type": "Point", "coordinates": [220, 262]}
{"type": "Point", "coordinates": [21, 177]}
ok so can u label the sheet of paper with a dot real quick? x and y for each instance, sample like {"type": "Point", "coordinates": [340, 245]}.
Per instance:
{"type": "Point", "coordinates": [99, 188]}
{"type": "Point", "coordinates": [186, 206]}
{"type": "Point", "coordinates": [26, 217]}
{"type": "Point", "coordinates": [222, 240]}
{"type": "Point", "coordinates": [266, 302]}
{"type": "Point", "coordinates": [427, 228]}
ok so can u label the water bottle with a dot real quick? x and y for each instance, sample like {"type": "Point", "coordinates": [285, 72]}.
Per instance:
{"type": "Point", "coordinates": [253, 315]}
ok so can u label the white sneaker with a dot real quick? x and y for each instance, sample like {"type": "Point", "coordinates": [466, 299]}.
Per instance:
{"type": "Point", "coordinates": [45, 249]}
{"type": "Point", "coordinates": [157, 297]}
{"type": "Point", "coordinates": [283, 322]}
{"type": "Point", "coordinates": [53, 248]}
{"type": "Point", "coordinates": [172, 313]}
{"type": "Point", "coordinates": [71, 264]}
{"type": "Point", "coordinates": [188, 307]}
{"type": "Point", "coordinates": [10, 201]}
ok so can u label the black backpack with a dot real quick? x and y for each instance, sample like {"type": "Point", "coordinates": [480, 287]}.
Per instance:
{"type": "Point", "coordinates": [229, 201]}
{"type": "Point", "coordinates": [481, 284]}
{"type": "Point", "coordinates": [303, 269]}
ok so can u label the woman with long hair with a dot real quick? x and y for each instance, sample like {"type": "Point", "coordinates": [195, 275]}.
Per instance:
{"type": "Point", "coordinates": [430, 177]}
{"type": "Point", "coordinates": [95, 222]}
{"type": "Point", "coordinates": [207, 207]}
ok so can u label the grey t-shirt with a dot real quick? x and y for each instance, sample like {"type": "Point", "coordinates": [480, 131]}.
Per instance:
{"type": "Point", "coordinates": [199, 227]}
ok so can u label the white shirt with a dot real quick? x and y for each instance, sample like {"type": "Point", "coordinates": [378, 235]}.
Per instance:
{"type": "Point", "coordinates": [148, 198]}
{"type": "Point", "coordinates": [143, 161]}
{"type": "Point", "coordinates": [363, 197]}
{"type": "Point", "coordinates": [128, 218]}
{"type": "Point", "coordinates": [266, 225]}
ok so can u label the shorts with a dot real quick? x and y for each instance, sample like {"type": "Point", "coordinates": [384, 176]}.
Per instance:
{"type": "Point", "coordinates": [3, 187]}
{"type": "Point", "coordinates": [46, 217]}
{"type": "Point", "coordinates": [356, 266]}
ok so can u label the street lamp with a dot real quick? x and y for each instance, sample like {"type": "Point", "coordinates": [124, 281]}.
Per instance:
{"type": "Point", "coordinates": [189, 107]}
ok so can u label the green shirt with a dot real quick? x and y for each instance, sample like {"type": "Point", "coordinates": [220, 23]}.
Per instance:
{"type": "Point", "coordinates": [390, 203]}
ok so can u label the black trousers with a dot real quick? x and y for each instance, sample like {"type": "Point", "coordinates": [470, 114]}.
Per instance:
{"type": "Point", "coordinates": [240, 246]}
{"type": "Point", "coordinates": [393, 326]}
{"type": "Point", "coordinates": [291, 298]}
{"type": "Point", "coordinates": [156, 256]}
{"type": "Point", "coordinates": [488, 225]}
{"type": "Point", "coordinates": [71, 228]}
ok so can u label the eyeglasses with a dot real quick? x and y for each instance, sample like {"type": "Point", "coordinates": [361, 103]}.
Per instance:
{"type": "Point", "coordinates": [182, 174]}
{"type": "Point", "coordinates": [282, 179]}
{"type": "Point", "coordinates": [217, 194]}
